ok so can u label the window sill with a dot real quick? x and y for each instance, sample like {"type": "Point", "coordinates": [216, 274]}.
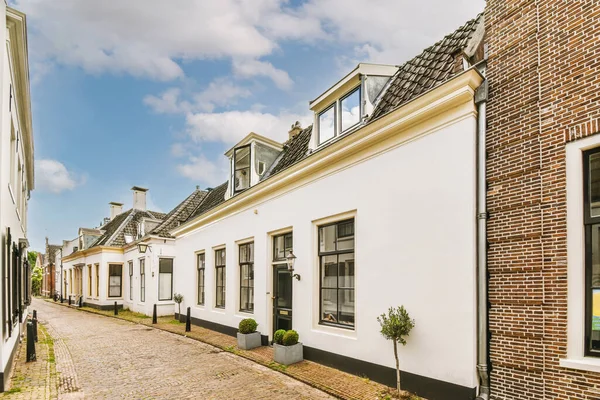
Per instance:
{"type": "Point", "coordinates": [590, 364]}
{"type": "Point", "coordinates": [336, 331]}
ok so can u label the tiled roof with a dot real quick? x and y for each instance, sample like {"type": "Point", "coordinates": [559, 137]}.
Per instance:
{"type": "Point", "coordinates": [180, 213]}
{"type": "Point", "coordinates": [429, 69]}
{"type": "Point", "coordinates": [214, 197]}
{"type": "Point", "coordinates": [124, 224]}
{"type": "Point", "coordinates": [294, 150]}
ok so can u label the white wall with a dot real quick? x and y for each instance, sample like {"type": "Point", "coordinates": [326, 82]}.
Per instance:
{"type": "Point", "coordinates": [414, 210]}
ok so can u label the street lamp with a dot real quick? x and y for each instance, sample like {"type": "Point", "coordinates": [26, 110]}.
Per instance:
{"type": "Point", "coordinates": [142, 247]}
{"type": "Point", "coordinates": [291, 260]}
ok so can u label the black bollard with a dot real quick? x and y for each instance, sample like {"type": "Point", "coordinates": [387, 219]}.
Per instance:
{"type": "Point", "coordinates": [61, 299]}
{"type": "Point", "coordinates": [116, 309]}
{"type": "Point", "coordinates": [188, 320]}
{"type": "Point", "coordinates": [34, 314]}
{"type": "Point", "coordinates": [34, 322]}
{"type": "Point", "coordinates": [81, 301]}
{"type": "Point", "coordinates": [154, 319]}
{"type": "Point", "coordinates": [69, 299]}
{"type": "Point", "coordinates": [30, 343]}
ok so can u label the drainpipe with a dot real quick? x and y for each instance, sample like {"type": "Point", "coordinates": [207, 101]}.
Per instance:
{"type": "Point", "coordinates": [482, 215]}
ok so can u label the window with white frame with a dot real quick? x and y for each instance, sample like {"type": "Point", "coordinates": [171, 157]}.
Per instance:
{"type": "Point", "coordinates": [13, 159]}
{"type": "Point", "coordinates": [165, 279]}
{"type": "Point", "coordinates": [97, 280]}
{"type": "Point", "coordinates": [336, 267]}
{"type": "Point", "coordinates": [201, 265]}
{"type": "Point", "coordinates": [246, 261]}
{"type": "Point", "coordinates": [241, 168]}
{"type": "Point", "coordinates": [142, 280]}
{"type": "Point", "coordinates": [220, 278]}
{"type": "Point", "coordinates": [340, 117]}
{"type": "Point", "coordinates": [115, 280]}
{"type": "Point", "coordinates": [130, 280]}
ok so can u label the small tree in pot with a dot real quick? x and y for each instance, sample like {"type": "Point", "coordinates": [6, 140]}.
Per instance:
{"type": "Point", "coordinates": [287, 349]}
{"type": "Point", "coordinates": [178, 298]}
{"type": "Point", "coordinates": [247, 337]}
{"type": "Point", "coordinates": [394, 326]}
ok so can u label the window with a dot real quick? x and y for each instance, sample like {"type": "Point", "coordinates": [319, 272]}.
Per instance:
{"type": "Point", "coordinates": [142, 280]}
{"type": "Point", "coordinates": [282, 245]}
{"type": "Point", "coordinates": [591, 219]}
{"type": "Point", "coordinates": [90, 280]}
{"type": "Point", "coordinates": [220, 278]}
{"type": "Point", "coordinates": [327, 124]}
{"type": "Point", "coordinates": [97, 280]}
{"type": "Point", "coordinates": [336, 265]}
{"type": "Point", "coordinates": [350, 110]}
{"type": "Point", "coordinates": [165, 279]}
{"type": "Point", "coordinates": [115, 275]}
{"type": "Point", "coordinates": [241, 167]}
{"type": "Point", "coordinates": [201, 267]}
{"type": "Point", "coordinates": [13, 158]}
{"type": "Point", "coordinates": [130, 280]}
{"type": "Point", "coordinates": [340, 117]}
{"type": "Point", "coordinates": [247, 277]}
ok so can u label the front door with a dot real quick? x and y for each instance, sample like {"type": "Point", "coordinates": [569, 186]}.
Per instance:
{"type": "Point", "coordinates": [282, 298]}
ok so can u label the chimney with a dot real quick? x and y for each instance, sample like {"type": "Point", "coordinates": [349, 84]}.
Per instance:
{"type": "Point", "coordinates": [296, 129]}
{"type": "Point", "coordinates": [139, 198]}
{"type": "Point", "coordinates": [115, 209]}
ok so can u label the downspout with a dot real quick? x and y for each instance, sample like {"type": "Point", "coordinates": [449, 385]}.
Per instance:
{"type": "Point", "coordinates": [482, 215]}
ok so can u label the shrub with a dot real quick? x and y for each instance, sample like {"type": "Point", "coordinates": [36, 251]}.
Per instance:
{"type": "Point", "coordinates": [247, 325]}
{"type": "Point", "coordinates": [278, 336]}
{"type": "Point", "coordinates": [290, 338]}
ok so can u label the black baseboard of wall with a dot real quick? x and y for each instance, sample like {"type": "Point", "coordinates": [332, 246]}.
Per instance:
{"type": "Point", "coordinates": [103, 307]}
{"type": "Point", "coordinates": [423, 386]}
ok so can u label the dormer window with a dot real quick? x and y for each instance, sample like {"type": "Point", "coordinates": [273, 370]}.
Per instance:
{"type": "Point", "coordinates": [241, 166]}
{"type": "Point", "coordinates": [340, 117]}
{"type": "Point", "coordinates": [343, 107]}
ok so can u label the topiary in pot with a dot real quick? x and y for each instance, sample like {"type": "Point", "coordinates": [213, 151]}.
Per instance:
{"type": "Point", "coordinates": [290, 338]}
{"type": "Point", "coordinates": [278, 336]}
{"type": "Point", "coordinates": [247, 336]}
{"type": "Point", "coordinates": [288, 350]}
{"type": "Point", "coordinates": [247, 326]}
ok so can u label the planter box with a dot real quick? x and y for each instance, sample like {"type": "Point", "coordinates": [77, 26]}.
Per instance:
{"type": "Point", "coordinates": [248, 341]}
{"type": "Point", "coordinates": [287, 355]}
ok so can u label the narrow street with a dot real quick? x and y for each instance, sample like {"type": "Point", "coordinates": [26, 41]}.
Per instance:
{"type": "Point", "coordinates": [105, 358]}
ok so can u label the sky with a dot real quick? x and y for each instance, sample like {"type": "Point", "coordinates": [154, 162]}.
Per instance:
{"type": "Point", "coordinates": [152, 93]}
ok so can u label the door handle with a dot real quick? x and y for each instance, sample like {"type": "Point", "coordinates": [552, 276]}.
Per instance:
{"type": "Point", "coordinates": [273, 297]}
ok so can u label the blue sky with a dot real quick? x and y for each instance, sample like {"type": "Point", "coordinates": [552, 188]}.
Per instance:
{"type": "Point", "coordinates": [152, 93]}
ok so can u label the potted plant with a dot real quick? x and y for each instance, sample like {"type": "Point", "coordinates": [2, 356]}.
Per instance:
{"type": "Point", "coordinates": [287, 349]}
{"type": "Point", "coordinates": [178, 298]}
{"type": "Point", "coordinates": [395, 326]}
{"type": "Point", "coordinates": [247, 337]}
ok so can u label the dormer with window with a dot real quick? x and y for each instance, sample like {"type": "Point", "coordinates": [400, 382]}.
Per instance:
{"type": "Point", "coordinates": [346, 105]}
{"type": "Point", "coordinates": [249, 160]}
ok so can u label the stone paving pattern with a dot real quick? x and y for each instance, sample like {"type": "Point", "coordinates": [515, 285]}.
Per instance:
{"type": "Point", "coordinates": [108, 358]}
{"type": "Point", "coordinates": [34, 380]}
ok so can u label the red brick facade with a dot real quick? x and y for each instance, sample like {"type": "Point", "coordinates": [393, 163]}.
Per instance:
{"type": "Point", "coordinates": [544, 80]}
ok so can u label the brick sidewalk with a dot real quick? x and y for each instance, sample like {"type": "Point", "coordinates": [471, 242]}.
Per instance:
{"type": "Point", "coordinates": [37, 379]}
{"type": "Point", "coordinates": [335, 382]}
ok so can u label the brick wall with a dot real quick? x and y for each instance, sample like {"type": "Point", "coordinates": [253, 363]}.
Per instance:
{"type": "Point", "coordinates": [533, 109]}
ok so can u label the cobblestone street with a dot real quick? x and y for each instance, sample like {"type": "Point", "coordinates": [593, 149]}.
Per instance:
{"type": "Point", "coordinates": [105, 358]}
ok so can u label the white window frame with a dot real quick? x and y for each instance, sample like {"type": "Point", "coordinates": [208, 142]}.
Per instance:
{"type": "Point", "coordinates": [576, 258]}
{"type": "Point", "coordinates": [337, 116]}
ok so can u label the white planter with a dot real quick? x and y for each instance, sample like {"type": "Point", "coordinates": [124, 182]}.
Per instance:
{"type": "Point", "coordinates": [287, 355]}
{"type": "Point", "coordinates": [247, 341]}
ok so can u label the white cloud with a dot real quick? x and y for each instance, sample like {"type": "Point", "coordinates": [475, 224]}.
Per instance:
{"type": "Point", "coordinates": [201, 169]}
{"type": "Point", "coordinates": [219, 93]}
{"type": "Point", "coordinates": [231, 126]}
{"type": "Point", "coordinates": [250, 68]}
{"type": "Point", "coordinates": [53, 176]}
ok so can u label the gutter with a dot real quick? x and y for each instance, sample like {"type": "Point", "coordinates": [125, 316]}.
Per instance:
{"type": "Point", "coordinates": [482, 274]}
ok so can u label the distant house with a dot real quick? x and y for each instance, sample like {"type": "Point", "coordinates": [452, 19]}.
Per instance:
{"type": "Point", "coordinates": [16, 183]}
{"type": "Point", "coordinates": [48, 286]}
